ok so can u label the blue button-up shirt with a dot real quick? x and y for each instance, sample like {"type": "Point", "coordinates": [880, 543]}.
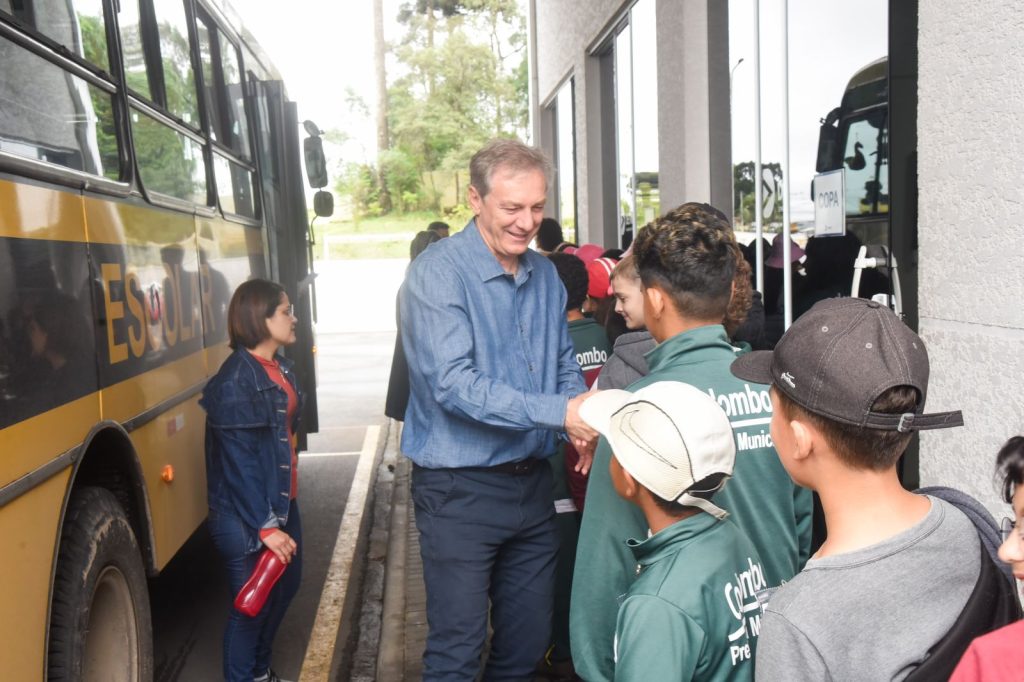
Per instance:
{"type": "Point", "coordinates": [491, 365]}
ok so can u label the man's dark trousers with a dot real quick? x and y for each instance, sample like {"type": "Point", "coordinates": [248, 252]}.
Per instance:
{"type": "Point", "coordinates": [488, 540]}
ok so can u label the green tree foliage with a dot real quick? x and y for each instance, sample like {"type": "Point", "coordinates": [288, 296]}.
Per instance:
{"type": "Point", "coordinates": [462, 66]}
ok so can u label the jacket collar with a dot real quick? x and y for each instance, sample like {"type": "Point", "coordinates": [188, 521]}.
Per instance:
{"type": "Point", "coordinates": [486, 263]}
{"type": "Point", "coordinates": [693, 346]}
{"type": "Point", "coordinates": [259, 375]}
{"type": "Point", "coordinates": [670, 540]}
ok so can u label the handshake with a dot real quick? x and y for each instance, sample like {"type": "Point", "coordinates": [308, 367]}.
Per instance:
{"type": "Point", "coordinates": [582, 436]}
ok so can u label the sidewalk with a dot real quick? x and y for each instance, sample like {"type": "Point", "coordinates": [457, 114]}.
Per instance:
{"type": "Point", "coordinates": [404, 618]}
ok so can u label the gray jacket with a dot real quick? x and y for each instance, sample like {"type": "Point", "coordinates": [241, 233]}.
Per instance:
{"type": "Point", "coordinates": [627, 363]}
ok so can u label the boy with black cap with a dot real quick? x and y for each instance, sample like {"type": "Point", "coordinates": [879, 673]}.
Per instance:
{"type": "Point", "coordinates": [849, 381]}
{"type": "Point", "coordinates": [692, 613]}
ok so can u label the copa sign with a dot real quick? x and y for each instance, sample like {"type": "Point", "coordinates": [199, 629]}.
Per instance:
{"type": "Point", "coordinates": [830, 203]}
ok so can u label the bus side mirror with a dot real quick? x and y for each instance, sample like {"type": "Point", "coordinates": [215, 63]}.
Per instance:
{"type": "Point", "coordinates": [828, 143]}
{"type": "Point", "coordinates": [316, 162]}
{"type": "Point", "coordinates": [323, 204]}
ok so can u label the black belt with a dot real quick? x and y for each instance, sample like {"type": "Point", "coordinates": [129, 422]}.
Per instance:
{"type": "Point", "coordinates": [521, 467]}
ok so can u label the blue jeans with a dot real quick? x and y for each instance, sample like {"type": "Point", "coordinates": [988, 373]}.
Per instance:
{"type": "Point", "coordinates": [247, 641]}
{"type": "Point", "coordinates": [487, 540]}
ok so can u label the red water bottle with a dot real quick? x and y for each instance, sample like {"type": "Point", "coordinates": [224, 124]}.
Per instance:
{"type": "Point", "coordinates": [254, 592]}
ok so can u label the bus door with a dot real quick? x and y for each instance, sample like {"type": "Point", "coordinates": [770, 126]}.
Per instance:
{"type": "Point", "coordinates": [284, 202]}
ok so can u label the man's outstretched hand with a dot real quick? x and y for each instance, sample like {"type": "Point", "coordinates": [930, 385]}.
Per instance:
{"type": "Point", "coordinates": [582, 436]}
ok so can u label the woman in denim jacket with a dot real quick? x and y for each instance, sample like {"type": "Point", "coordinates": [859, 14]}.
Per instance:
{"type": "Point", "coordinates": [252, 407]}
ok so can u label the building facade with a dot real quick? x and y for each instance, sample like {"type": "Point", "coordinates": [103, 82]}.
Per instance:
{"type": "Point", "coordinates": [646, 104]}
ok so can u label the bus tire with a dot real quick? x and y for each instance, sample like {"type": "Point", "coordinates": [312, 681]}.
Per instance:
{"type": "Point", "coordinates": [99, 617]}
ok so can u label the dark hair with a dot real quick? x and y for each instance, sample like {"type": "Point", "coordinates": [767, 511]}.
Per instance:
{"type": "Point", "coordinates": [549, 235]}
{"type": "Point", "coordinates": [1010, 467]}
{"type": "Point", "coordinates": [856, 446]}
{"type": "Point", "coordinates": [742, 296]}
{"type": "Point", "coordinates": [691, 254]}
{"type": "Point", "coordinates": [252, 304]}
{"type": "Point", "coordinates": [438, 225]}
{"type": "Point", "coordinates": [614, 254]}
{"type": "Point", "coordinates": [704, 488]}
{"type": "Point", "coordinates": [573, 274]}
{"type": "Point", "coordinates": [509, 154]}
{"type": "Point", "coordinates": [421, 241]}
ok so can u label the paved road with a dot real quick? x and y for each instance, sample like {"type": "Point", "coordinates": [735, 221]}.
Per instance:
{"type": "Point", "coordinates": [355, 342]}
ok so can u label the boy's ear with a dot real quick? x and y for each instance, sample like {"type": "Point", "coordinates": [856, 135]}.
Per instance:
{"type": "Point", "coordinates": [656, 299]}
{"type": "Point", "coordinates": [629, 484]}
{"type": "Point", "coordinates": [803, 437]}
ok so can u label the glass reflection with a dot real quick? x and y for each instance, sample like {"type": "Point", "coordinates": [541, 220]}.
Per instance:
{"type": "Point", "coordinates": [47, 351]}
{"type": "Point", "coordinates": [169, 162]}
{"type": "Point", "coordinates": [179, 79]}
{"type": "Point", "coordinates": [47, 114]}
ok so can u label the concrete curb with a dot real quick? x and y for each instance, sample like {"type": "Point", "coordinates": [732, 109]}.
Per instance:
{"type": "Point", "coordinates": [335, 630]}
{"type": "Point", "coordinates": [380, 605]}
{"type": "Point", "coordinates": [391, 656]}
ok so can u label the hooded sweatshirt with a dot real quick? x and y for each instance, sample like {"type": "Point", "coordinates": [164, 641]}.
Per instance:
{"type": "Point", "coordinates": [627, 363]}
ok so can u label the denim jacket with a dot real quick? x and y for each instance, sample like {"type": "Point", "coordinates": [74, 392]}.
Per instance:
{"type": "Point", "coordinates": [248, 454]}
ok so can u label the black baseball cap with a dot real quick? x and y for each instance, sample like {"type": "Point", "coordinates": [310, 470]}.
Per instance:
{"type": "Point", "coordinates": [839, 357]}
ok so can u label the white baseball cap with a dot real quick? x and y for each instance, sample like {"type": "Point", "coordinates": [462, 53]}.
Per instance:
{"type": "Point", "coordinates": [671, 437]}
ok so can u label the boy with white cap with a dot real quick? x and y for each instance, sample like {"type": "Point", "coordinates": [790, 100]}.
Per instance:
{"type": "Point", "coordinates": [692, 613]}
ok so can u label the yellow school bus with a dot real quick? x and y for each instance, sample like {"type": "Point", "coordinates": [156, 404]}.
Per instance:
{"type": "Point", "coordinates": [149, 163]}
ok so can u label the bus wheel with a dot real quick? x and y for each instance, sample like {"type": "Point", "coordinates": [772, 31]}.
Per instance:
{"type": "Point", "coordinates": [99, 620]}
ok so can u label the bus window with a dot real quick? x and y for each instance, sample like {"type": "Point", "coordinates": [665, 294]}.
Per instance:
{"type": "Point", "coordinates": [179, 79]}
{"type": "Point", "coordinates": [169, 162]}
{"type": "Point", "coordinates": [222, 83]}
{"type": "Point", "coordinates": [51, 115]}
{"type": "Point", "coordinates": [866, 162]}
{"type": "Point", "coordinates": [78, 26]}
{"type": "Point", "coordinates": [206, 35]}
{"type": "Point", "coordinates": [239, 138]}
{"type": "Point", "coordinates": [234, 187]}
{"type": "Point", "coordinates": [134, 57]}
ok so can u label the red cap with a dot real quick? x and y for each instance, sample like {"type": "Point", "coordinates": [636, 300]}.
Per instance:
{"type": "Point", "coordinates": [600, 272]}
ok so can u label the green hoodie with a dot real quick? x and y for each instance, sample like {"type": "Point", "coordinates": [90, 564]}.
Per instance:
{"type": "Point", "coordinates": [761, 498]}
{"type": "Point", "coordinates": [692, 613]}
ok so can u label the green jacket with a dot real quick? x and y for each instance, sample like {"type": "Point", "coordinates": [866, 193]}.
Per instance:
{"type": "Point", "coordinates": [692, 613]}
{"type": "Point", "coordinates": [761, 498]}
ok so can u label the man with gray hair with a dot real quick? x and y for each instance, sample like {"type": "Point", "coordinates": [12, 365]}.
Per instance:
{"type": "Point", "coordinates": [493, 378]}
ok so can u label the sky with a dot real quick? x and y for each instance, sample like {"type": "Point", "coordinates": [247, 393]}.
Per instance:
{"type": "Point", "coordinates": [829, 40]}
{"type": "Point", "coordinates": [324, 48]}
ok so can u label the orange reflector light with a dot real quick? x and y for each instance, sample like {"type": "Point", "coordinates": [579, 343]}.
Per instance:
{"type": "Point", "coordinates": [167, 474]}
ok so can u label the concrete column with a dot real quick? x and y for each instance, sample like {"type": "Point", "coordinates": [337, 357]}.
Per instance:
{"type": "Point", "coordinates": [693, 103]}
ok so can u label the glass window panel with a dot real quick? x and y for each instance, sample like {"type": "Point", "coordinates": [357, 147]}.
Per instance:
{"type": "Point", "coordinates": [77, 25]}
{"type": "Point", "coordinates": [234, 187]}
{"type": "Point", "coordinates": [49, 115]}
{"type": "Point", "coordinates": [645, 111]}
{"type": "Point", "coordinates": [206, 36]}
{"type": "Point", "coordinates": [131, 48]}
{"type": "Point", "coordinates": [867, 171]}
{"type": "Point", "coordinates": [179, 79]}
{"type": "Point", "coordinates": [169, 162]}
{"type": "Point", "coordinates": [239, 133]}
{"type": "Point", "coordinates": [624, 129]}
{"type": "Point", "coordinates": [566, 160]}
